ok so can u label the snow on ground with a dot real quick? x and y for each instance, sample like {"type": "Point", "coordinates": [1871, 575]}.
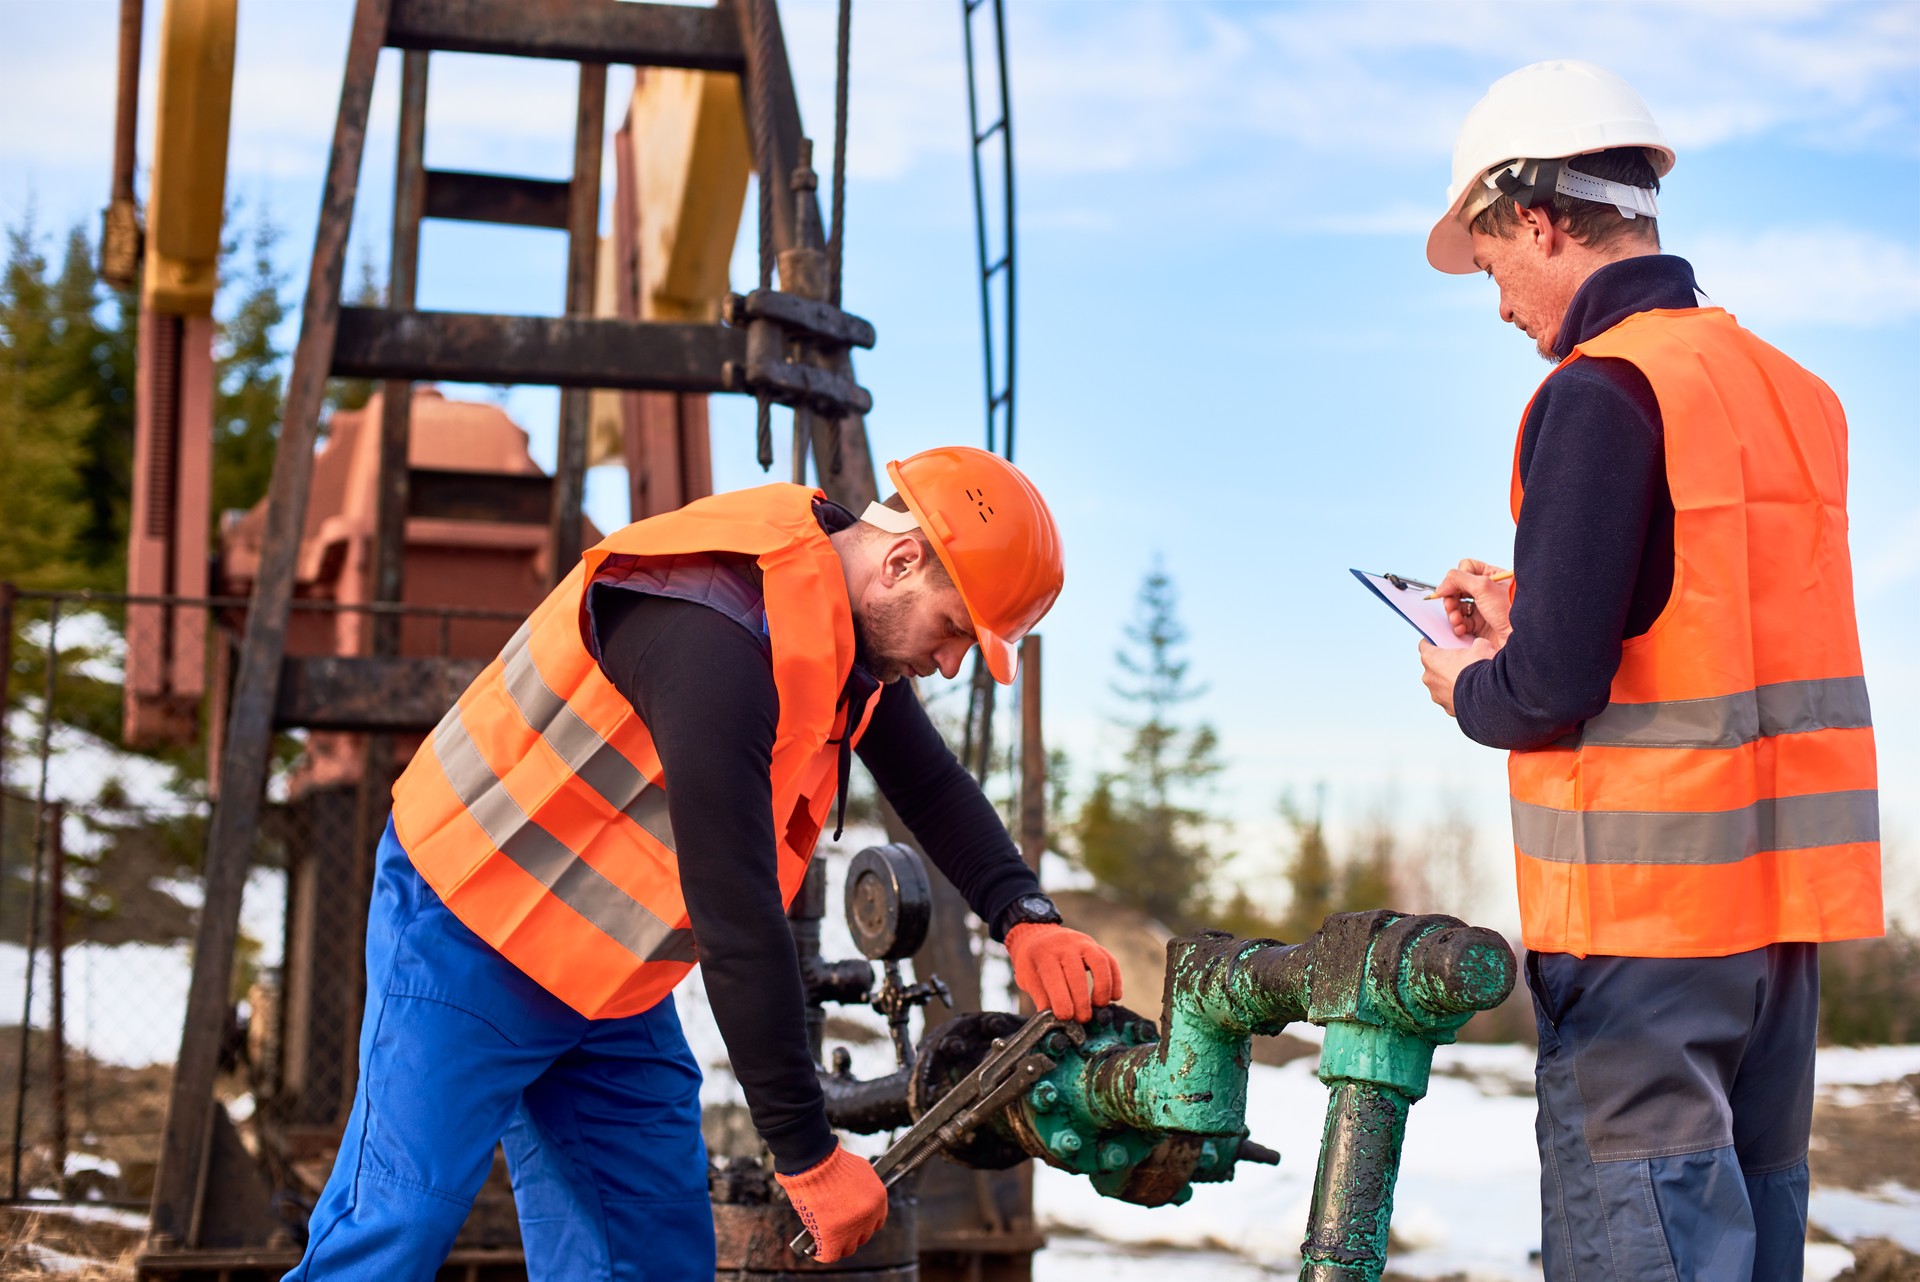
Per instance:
{"type": "Point", "coordinates": [1074, 1259]}
{"type": "Point", "coordinates": [81, 765]}
{"type": "Point", "coordinates": [1890, 1211]}
{"type": "Point", "coordinates": [126, 1002]}
{"type": "Point", "coordinates": [1467, 1204]}
{"type": "Point", "coordinates": [1842, 1066]}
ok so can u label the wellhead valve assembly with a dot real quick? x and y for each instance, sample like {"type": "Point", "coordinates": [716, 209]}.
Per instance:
{"type": "Point", "coordinates": [1146, 1111]}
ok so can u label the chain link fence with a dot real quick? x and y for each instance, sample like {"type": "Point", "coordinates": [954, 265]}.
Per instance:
{"type": "Point", "coordinates": [103, 816]}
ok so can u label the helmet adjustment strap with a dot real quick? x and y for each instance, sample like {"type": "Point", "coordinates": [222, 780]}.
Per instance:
{"type": "Point", "coordinates": [888, 519]}
{"type": "Point", "coordinates": [1532, 182]}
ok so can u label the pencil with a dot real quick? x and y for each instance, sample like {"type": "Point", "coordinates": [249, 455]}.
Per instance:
{"type": "Point", "coordinates": [1497, 576]}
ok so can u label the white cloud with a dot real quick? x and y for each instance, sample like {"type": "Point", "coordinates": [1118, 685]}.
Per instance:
{"type": "Point", "coordinates": [1137, 86]}
{"type": "Point", "coordinates": [1151, 86]}
{"type": "Point", "coordinates": [1838, 276]}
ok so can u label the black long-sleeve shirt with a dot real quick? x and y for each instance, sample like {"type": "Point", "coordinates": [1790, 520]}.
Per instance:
{"type": "Point", "coordinates": [1593, 551]}
{"type": "Point", "coordinates": [704, 687]}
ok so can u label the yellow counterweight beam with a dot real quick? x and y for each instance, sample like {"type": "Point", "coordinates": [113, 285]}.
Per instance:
{"type": "Point", "coordinates": [189, 185]}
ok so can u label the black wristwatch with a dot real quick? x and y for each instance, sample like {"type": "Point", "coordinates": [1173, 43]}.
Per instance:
{"type": "Point", "coordinates": [1034, 908]}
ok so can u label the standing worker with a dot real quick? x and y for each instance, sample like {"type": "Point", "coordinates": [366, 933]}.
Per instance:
{"type": "Point", "coordinates": [639, 780]}
{"type": "Point", "coordinates": [1677, 676]}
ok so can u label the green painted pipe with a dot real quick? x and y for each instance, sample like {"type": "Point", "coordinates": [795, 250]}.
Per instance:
{"type": "Point", "coordinates": [1147, 1117]}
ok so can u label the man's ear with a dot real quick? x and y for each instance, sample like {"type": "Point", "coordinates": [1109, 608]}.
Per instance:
{"type": "Point", "coordinates": [901, 559]}
{"type": "Point", "coordinates": [1539, 230]}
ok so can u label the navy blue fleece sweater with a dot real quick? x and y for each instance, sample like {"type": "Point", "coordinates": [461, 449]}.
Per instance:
{"type": "Point", "coordinates": [1593, 552]}
{"type": "Point", "coordinates": [704, 687]}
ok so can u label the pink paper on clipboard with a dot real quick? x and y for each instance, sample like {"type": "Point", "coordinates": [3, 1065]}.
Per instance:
{"type": "Point", "coordinates": [1407, 598]}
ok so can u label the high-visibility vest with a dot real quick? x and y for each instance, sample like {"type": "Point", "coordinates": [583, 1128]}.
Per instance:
{"type": "Point", "coordinates": [1725, 798]}
{"type": "Point", "coordinates": [537, 809]}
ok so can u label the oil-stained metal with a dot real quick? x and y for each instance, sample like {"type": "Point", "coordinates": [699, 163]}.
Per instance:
{"type": "Point", "coordinates": [753, 1223]}
{"type": "Point", "coordinates": [1014, 1064]}
{"type": "Point", "coordinates": [1146, 1113]}
{"type": "Point", "coordinates": [515, 498]}
{"type": "Point", "coordinates": [567, 351]}
{"type": "Point", "coordinates": [889, 902]}
{"type": "Point", "coordinates": [120, 246]}
{"type": "Point", "coordinates": [822, 322]}
{"type": "Point", "coordinates": [797, 341]}
{"type": "Point", "coordinates": [864, 1106]}
{"type": "Point", "coordinates": [399, 695]}
{"type": "Point", "coordinates": [701, 38]}
{"type": "Point", "coordinates": [496, 198]}
{"type": "Point", "coordinates": [1353, 1188]}
{"type": "Point", "coordinates": [243, 767]}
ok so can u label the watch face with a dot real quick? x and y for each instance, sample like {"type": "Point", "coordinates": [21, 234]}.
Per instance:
{"type": "Point", "coordinates": [1037, 906]}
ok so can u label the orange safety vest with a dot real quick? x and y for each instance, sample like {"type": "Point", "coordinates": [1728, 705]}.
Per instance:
{"type": "Point", "coordinates": [537, 809]}
{"type": "Point", "coordinates": [1725, 798]}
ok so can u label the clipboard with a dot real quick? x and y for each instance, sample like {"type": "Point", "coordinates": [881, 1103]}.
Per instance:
{"type": "Point", "coordinates": [1407, 598]}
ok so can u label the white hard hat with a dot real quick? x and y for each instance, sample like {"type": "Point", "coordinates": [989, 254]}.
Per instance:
{"type": "Point", "coordinates": [1550, 110]}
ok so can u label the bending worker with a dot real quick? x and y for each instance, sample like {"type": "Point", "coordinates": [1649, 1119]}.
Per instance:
{"type": "Point", "coordinates": [1677, 676]}
{"type": "Point", "coordinates": [639, 780]}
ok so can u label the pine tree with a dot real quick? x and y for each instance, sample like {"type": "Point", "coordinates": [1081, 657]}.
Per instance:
{"type": "Point", "coordinates": [250, 372]}
{"type": "Point", "coordinates": [96, 359]}
{"type": "Point", "coordinates": [1370, 875]}
{"type": "Point", "coordinates": [1141, 831]}
{"type": "Point", "coordinates": [44, 424]}
{"type": "Point", "coordinates": [1310, 873]}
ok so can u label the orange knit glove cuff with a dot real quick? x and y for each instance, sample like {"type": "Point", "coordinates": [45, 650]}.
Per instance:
{"type": "Point", "coordinates": [841, 1201]}
{"type": "Point", "coordinates": [1056, 967]}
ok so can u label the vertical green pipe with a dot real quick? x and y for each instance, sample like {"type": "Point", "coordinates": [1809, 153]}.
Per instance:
{"type": "Point", "coordinates": [1353, 1188]}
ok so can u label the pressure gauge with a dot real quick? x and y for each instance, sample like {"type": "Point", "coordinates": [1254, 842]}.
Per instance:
{"type": "Point", "coordinates": [889, 902]}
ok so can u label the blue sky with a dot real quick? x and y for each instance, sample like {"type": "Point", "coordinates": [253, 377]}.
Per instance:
{"type": "Point", "coordinates": [1233, 355]}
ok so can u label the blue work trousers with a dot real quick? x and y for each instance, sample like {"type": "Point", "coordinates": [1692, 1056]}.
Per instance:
{"type": "Point", "coordinates": [460, 1051]}
{"type": "Point", "coordinates": [1676, 1102]}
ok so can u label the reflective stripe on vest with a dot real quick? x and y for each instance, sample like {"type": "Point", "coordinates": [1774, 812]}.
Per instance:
{"type": "Point", "coordinates": [1696, 837]}
{"type": "Point", "coordinates": [1726, 796]}
{"type": "Point", "coordinates": [537, 809]}
{"type": "Point", "coordinates": [1727, 721]}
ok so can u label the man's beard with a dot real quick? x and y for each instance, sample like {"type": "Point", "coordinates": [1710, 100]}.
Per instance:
{"type": "Point", "coordinates": [876, 640]}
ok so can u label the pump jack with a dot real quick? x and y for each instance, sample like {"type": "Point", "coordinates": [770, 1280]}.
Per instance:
{"type": "Point", "coordinates": [1389, 988]}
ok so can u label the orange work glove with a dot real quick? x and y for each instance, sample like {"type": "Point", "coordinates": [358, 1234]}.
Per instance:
{"type": "Point", "coordinates": [1051, 964]}
{"type": "Point", "coordinates": [841, 1201]}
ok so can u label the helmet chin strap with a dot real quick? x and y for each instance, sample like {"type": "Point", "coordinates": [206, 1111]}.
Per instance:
{"type": "Point", "coordinates": [1530, 181]}
{"type": "Point", "coordinates": [886, 518]}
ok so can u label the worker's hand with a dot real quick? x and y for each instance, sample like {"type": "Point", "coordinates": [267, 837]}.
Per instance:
{"type": "Point", "coordinates": [841, 1201]}
{"type": "Point", "coordinates": [1485, 614]}
{"type": "Point", "coordinates": [1053, 965]}
{"type": "Point", "coordinates": [1441, 668]}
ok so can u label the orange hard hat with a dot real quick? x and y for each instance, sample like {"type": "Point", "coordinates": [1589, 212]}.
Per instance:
{"type": "Point", "coordinates": [993, 532]}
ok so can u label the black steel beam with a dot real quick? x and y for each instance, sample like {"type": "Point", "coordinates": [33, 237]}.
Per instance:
{"type": "Point", "coordinates": [516, 498]}
{"type": "Point", "coordinates": [178, 1188]}
{"type": "Point", "coordinates": [583, 255]}
{"type": "Point", "coordinates": [495, 198]}
{"type": "Point", "coordinates": [643, 35]}
{"type": "Point", "coordinates": [564, 351]}
{"type": "Point", "coordinates": [399, 695]}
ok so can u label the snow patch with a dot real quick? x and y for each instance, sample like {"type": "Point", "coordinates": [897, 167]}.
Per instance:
{"type": "Point", "coordinates": [1864, 1065]}
{"type": "Point", "coordinates": [1890, 1211]}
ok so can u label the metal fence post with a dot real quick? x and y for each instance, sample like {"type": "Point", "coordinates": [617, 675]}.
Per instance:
{"type": "Point", "coordinates": [57, 986]}
{"type": "Point", "coordinates": [6, 702]}
{"type": "Point", "coordinates": [33, 898]}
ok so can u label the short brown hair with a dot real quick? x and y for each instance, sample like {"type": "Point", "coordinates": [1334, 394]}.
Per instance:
{"type": "Point", "coordinates": [935, 566]}
{"type": "Point", "coordinates": [1590, 222]}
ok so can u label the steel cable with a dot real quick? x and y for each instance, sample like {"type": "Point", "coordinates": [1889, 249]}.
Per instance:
{"type": "Point", "coordinates": [761, 84]}
{"type": "Point", "coordinates": [839, 150]}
